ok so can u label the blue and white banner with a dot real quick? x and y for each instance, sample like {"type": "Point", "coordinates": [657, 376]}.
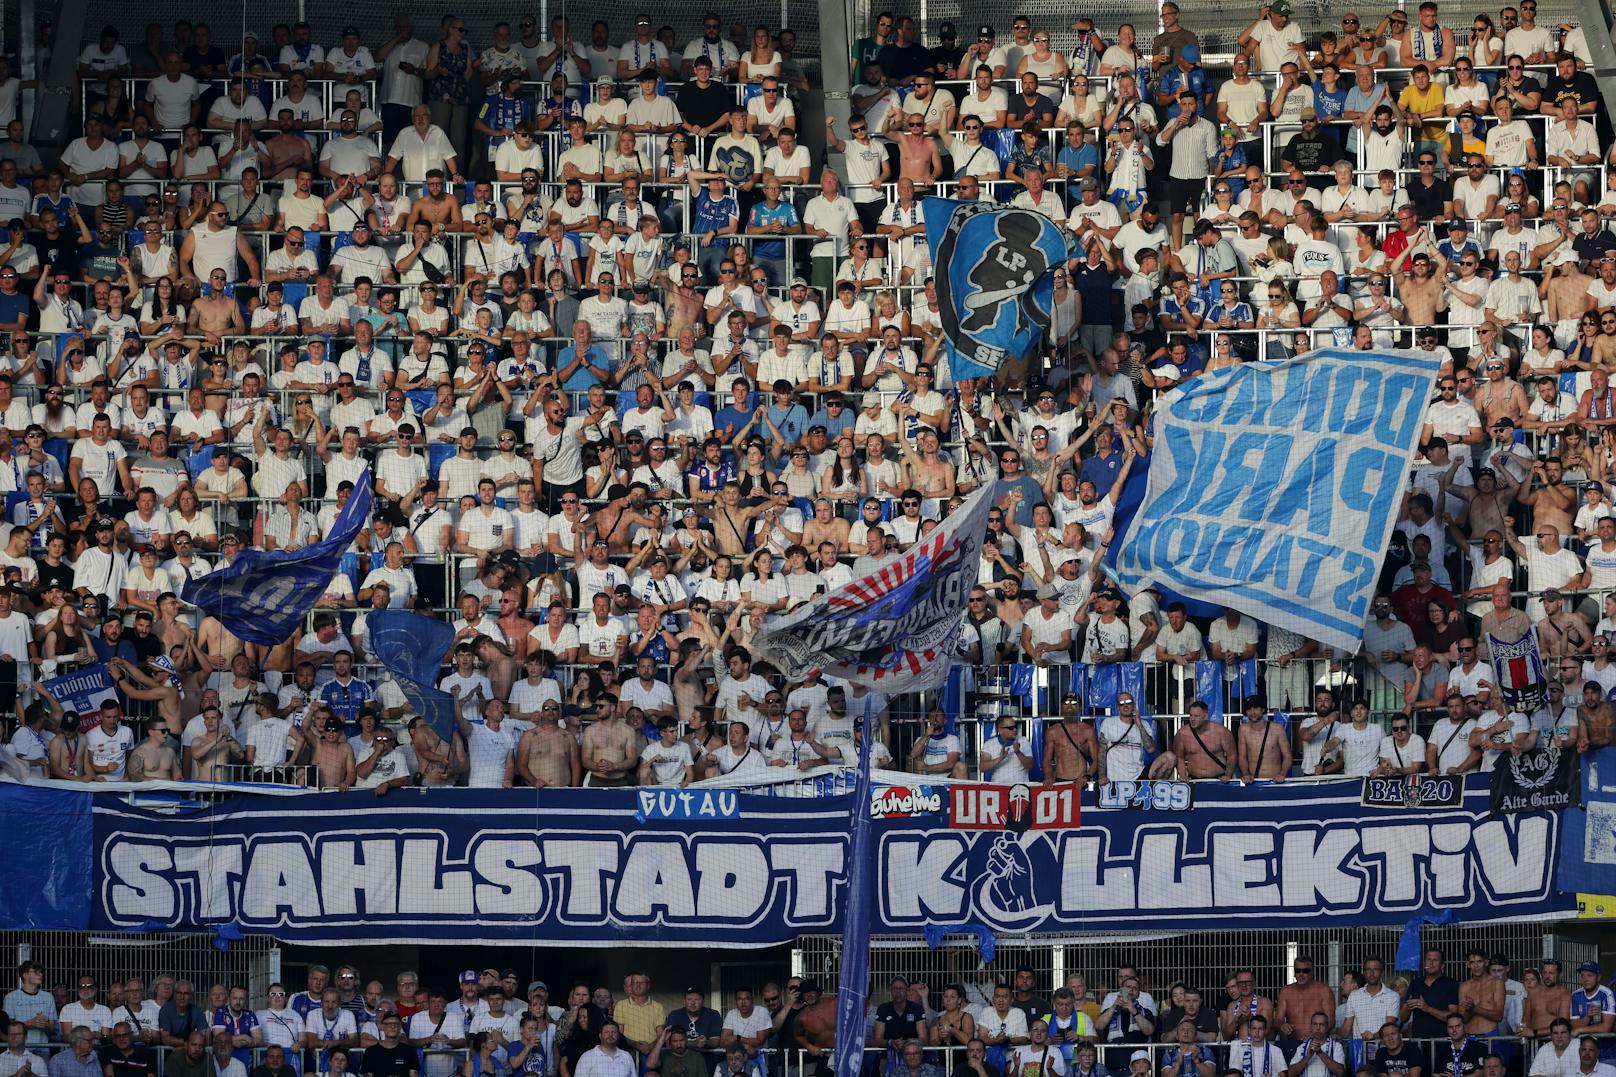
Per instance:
{"type": "Point", "coordinates": [995, 271]}
{"type": "Point", "coordinates": [263, 594]}
{"type": "Point", "coordinates": [1519, 672]}
{"type": "Point", "coordinates": [1274, 487]}
{"type": "Point", "coordinates": [1588, 853]}
{"type": "Point", "coordinates": [576, 867]}
{"type": "Point", "coordinates": [83, 690]}
{"type": "Point", "coordinates": [896, 627]}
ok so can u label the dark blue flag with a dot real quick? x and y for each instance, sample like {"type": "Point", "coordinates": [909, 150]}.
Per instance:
{"type": "Point", "coordinates": [411, 647]}
{"type": "Point", "coordinates": [262, 595]}
{"type": "Point", "coordinates": [995, 273]}
{"type": "Point", "coordinates": [852, 992]}
{"type": "Point", "coordinates": [408, 644]}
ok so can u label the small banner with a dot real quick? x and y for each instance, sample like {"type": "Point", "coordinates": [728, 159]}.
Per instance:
{"type": "Point", "coordinates": [1545, 779]}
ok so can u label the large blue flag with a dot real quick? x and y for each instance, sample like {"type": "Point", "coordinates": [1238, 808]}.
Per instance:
{"type": "Point", "coordinates": [995, 271]}
{"type": "Point", "coordinates": [853, 987]}
{"type": "Point", "coordinates": [411, 647]}
{"type": "Point", "coordinates": [262, 595]}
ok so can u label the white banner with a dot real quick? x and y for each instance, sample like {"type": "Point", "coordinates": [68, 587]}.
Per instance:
{"type": "Point", "coordinates": [1274, 487]}
{"type": "Point", "coordinates": [894, 628]}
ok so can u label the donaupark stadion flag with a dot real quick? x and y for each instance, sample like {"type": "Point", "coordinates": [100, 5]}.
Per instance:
{"type": "Point", "coordinates": [893, 628]}
{"type": "Point", "coordinates": [1274, 487]}
{"type": "Point", "coordinates": [995, 271]}
{"type": "Point", "coordinates": [263, 594]}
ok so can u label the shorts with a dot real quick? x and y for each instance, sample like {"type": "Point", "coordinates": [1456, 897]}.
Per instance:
{"type": "Point", "coordinates": [1184, 196]}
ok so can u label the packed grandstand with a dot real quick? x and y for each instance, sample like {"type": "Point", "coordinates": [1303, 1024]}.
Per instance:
{"type": "Point", "coordinates": [636, 363]}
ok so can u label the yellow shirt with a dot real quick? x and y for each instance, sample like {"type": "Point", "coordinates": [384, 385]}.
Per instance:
{"type": "Point", "coordinates": [639, 1021]}
{"type": "Point", "coordinates": [1412, 100]}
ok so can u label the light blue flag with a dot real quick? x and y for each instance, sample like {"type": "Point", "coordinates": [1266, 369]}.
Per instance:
{"type": "Point", "coordinates": [412, 647]}
{"type": "Point", "coordinates": [1209, 687]}
{"type": "Point", "coordinates": [1274, 487]}
{"type": "Point", "coordinates": [262, 595]}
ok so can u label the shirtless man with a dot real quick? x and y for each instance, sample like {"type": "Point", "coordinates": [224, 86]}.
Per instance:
{"type": "Point", "coordinates": [1201, 749]}
{"type": "Point", "coordinates": [67, 762]}
{"type": "Point", "coordinates": [815, 1026]}
{"type": "Point", "coordinates": [287, 151]}
{"type": "Point", "coordinates": [217, 644]}
{"type": "Point", "coordinates": [1562, 632]}
{"type": "Point", "coordinates": [825, 526]}
{"type": "Point", "coordinates": [1486, 507]}
{"type": "Point", "coordinates": [516, 627]}
{"type": "Point", "coordinates": [547, 755]}
{"type": "Point", "coordinates": [1071, 748]}
{"type": "Point", "coordinates": [1481, 997]}
{"type": "Point", "coordinates": [929, 471]}
{"type": "Point", "coordinates": [1567, 296]}
{"type": "Point", "coordinates": [1245, 1005]}
{"type": "Point", "coordinates": [918, 158]}
{"type": "Point", "coordinates": [611, 752]}
{"type": "Point", "coordinates": [436, 206]}
{"type": "Point", "coordinates": [1264, 747]}
{"type": "Point", "coordinates": [216, 315]}
{"type": "Point", "coordinates": [1421, 290]}
{"type": "Point", "coordinates": [334, 766]}
{"type": "Point", "coordinates": [1549, 1000]}
{"type": "Point", "coordinates": [1553, 502]}
{"type": "Point", "coordinates": [1303, 997]}
{"type": "Point", "coordinates": [730, 519]}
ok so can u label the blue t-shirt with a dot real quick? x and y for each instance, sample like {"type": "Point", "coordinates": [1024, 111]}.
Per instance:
{"type": "Point", "coordinates": [1093, 284]}
{"type": "Point", "coordinates": [732, 417]}
{"type": "Point", "coordinates": [581, 378]}
{"type": "Point", "coordinates": [791, 421]}
{"type": "Point", "coordinates": [1077, 158]}
{"type": "Point", "coordinates": [1226, 161]}
{"type": "Point", "coordinates": [711, 214]}
{"type": "Point", "coordinates": [835, 425]}
{"type": "Point", "coordinates": [1240, 312]}
{"type": "Point", "coordinates": [1102, 470]}
{"type": "Point", "coordinates": [345, 700]}
{"type": "Point", "coordinates": [1329, 103]}
{"type": "Point", "coordinates": [782, 213]}
{"type": "Point", "coordinates": [13, 308]}
{"type": "Point", "coordinates": [1175, 80]}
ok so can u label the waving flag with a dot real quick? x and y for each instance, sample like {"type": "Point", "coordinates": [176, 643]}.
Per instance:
{"type": "Point", "coordinates": [894, 628]}
{"type": "Point", "coordinates": [263, 594]}
{"type": "Point", "coordinates": [412, 648]}
{"type": "Point", "coordinates": [1274, 487]}
{"type": "Point", "coordinates": [853, 990]}
{"type": "Point", "coordinates": [995, 274]}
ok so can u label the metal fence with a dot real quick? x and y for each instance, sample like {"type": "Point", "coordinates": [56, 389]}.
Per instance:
{"type": "Point", "coordinates": [1201, 959]}
{"type": "Point", "coordinates": [148, 955]}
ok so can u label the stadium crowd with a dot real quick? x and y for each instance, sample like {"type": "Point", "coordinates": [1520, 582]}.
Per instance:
{"type": "Point", "coordinates": [1375, 1022]}
{"type": "Point", "coordinates": [632, 370]}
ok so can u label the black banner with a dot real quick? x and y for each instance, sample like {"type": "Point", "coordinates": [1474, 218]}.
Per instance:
{"type": "Point", "coordinates": [1545, 779]}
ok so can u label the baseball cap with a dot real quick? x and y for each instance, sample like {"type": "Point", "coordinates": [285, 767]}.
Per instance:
{"type": "Point", "coordinates": [1137, 1055]}
{"type": "Point", "coordinates": [1309, 112]}
{"type": "Point", "coordinates": [1280, 7]}
{"type": "Point", "coordinates": [798, 282]}
{"type": "Point", "coordinates": [985, 31]}
{"type": "Point", "coordinates": [1589, 966]}
{"type": "Point", "coordinates": [1090, 184]}
{"type": "Point", "coordinates": [538, 985]}
{"type": "Point", "coordinates": [469, 976]}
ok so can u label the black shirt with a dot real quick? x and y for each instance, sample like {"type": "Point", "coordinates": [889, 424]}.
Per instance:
{"type": "Point", "coordinates": [1312, 153]}
{"type": "Point", "coordinates": [703, 107]}
{"type": "Point", "coordinates": [1580, 86]}
{"type": "Point", "coordinates": [1034, 1008]}
{"type": "Point", "coordinates": [945, 59]}
{"type": "Point", "coordinates": [1590, 245]}
{"type": "Point", "coordinates": [1204, 1021]}
{"type": "Point", "coordinates": [900, 1026]}
{"type": "Point", "coordinates": [137, 1063]}
{"type": "Point", "coordinates": [1396, 1063]}
{"type": "Point", "coordinates": [1440, 995]}
{"type": "Point", "coordinates": [60, 252]}
{"type": "Point", "coordinates": [903, 61]}
{"type": "Point", "coordinates": [1461, 1063]}
{"type": "Point", "coordinates": [1430, 202]}
{"type": "Point", "coordinates": [395, 1061]}
{"type": "Point", "coordinates": [1040, 110]}
{"type": "Point", "coordinates": [61, 574]}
